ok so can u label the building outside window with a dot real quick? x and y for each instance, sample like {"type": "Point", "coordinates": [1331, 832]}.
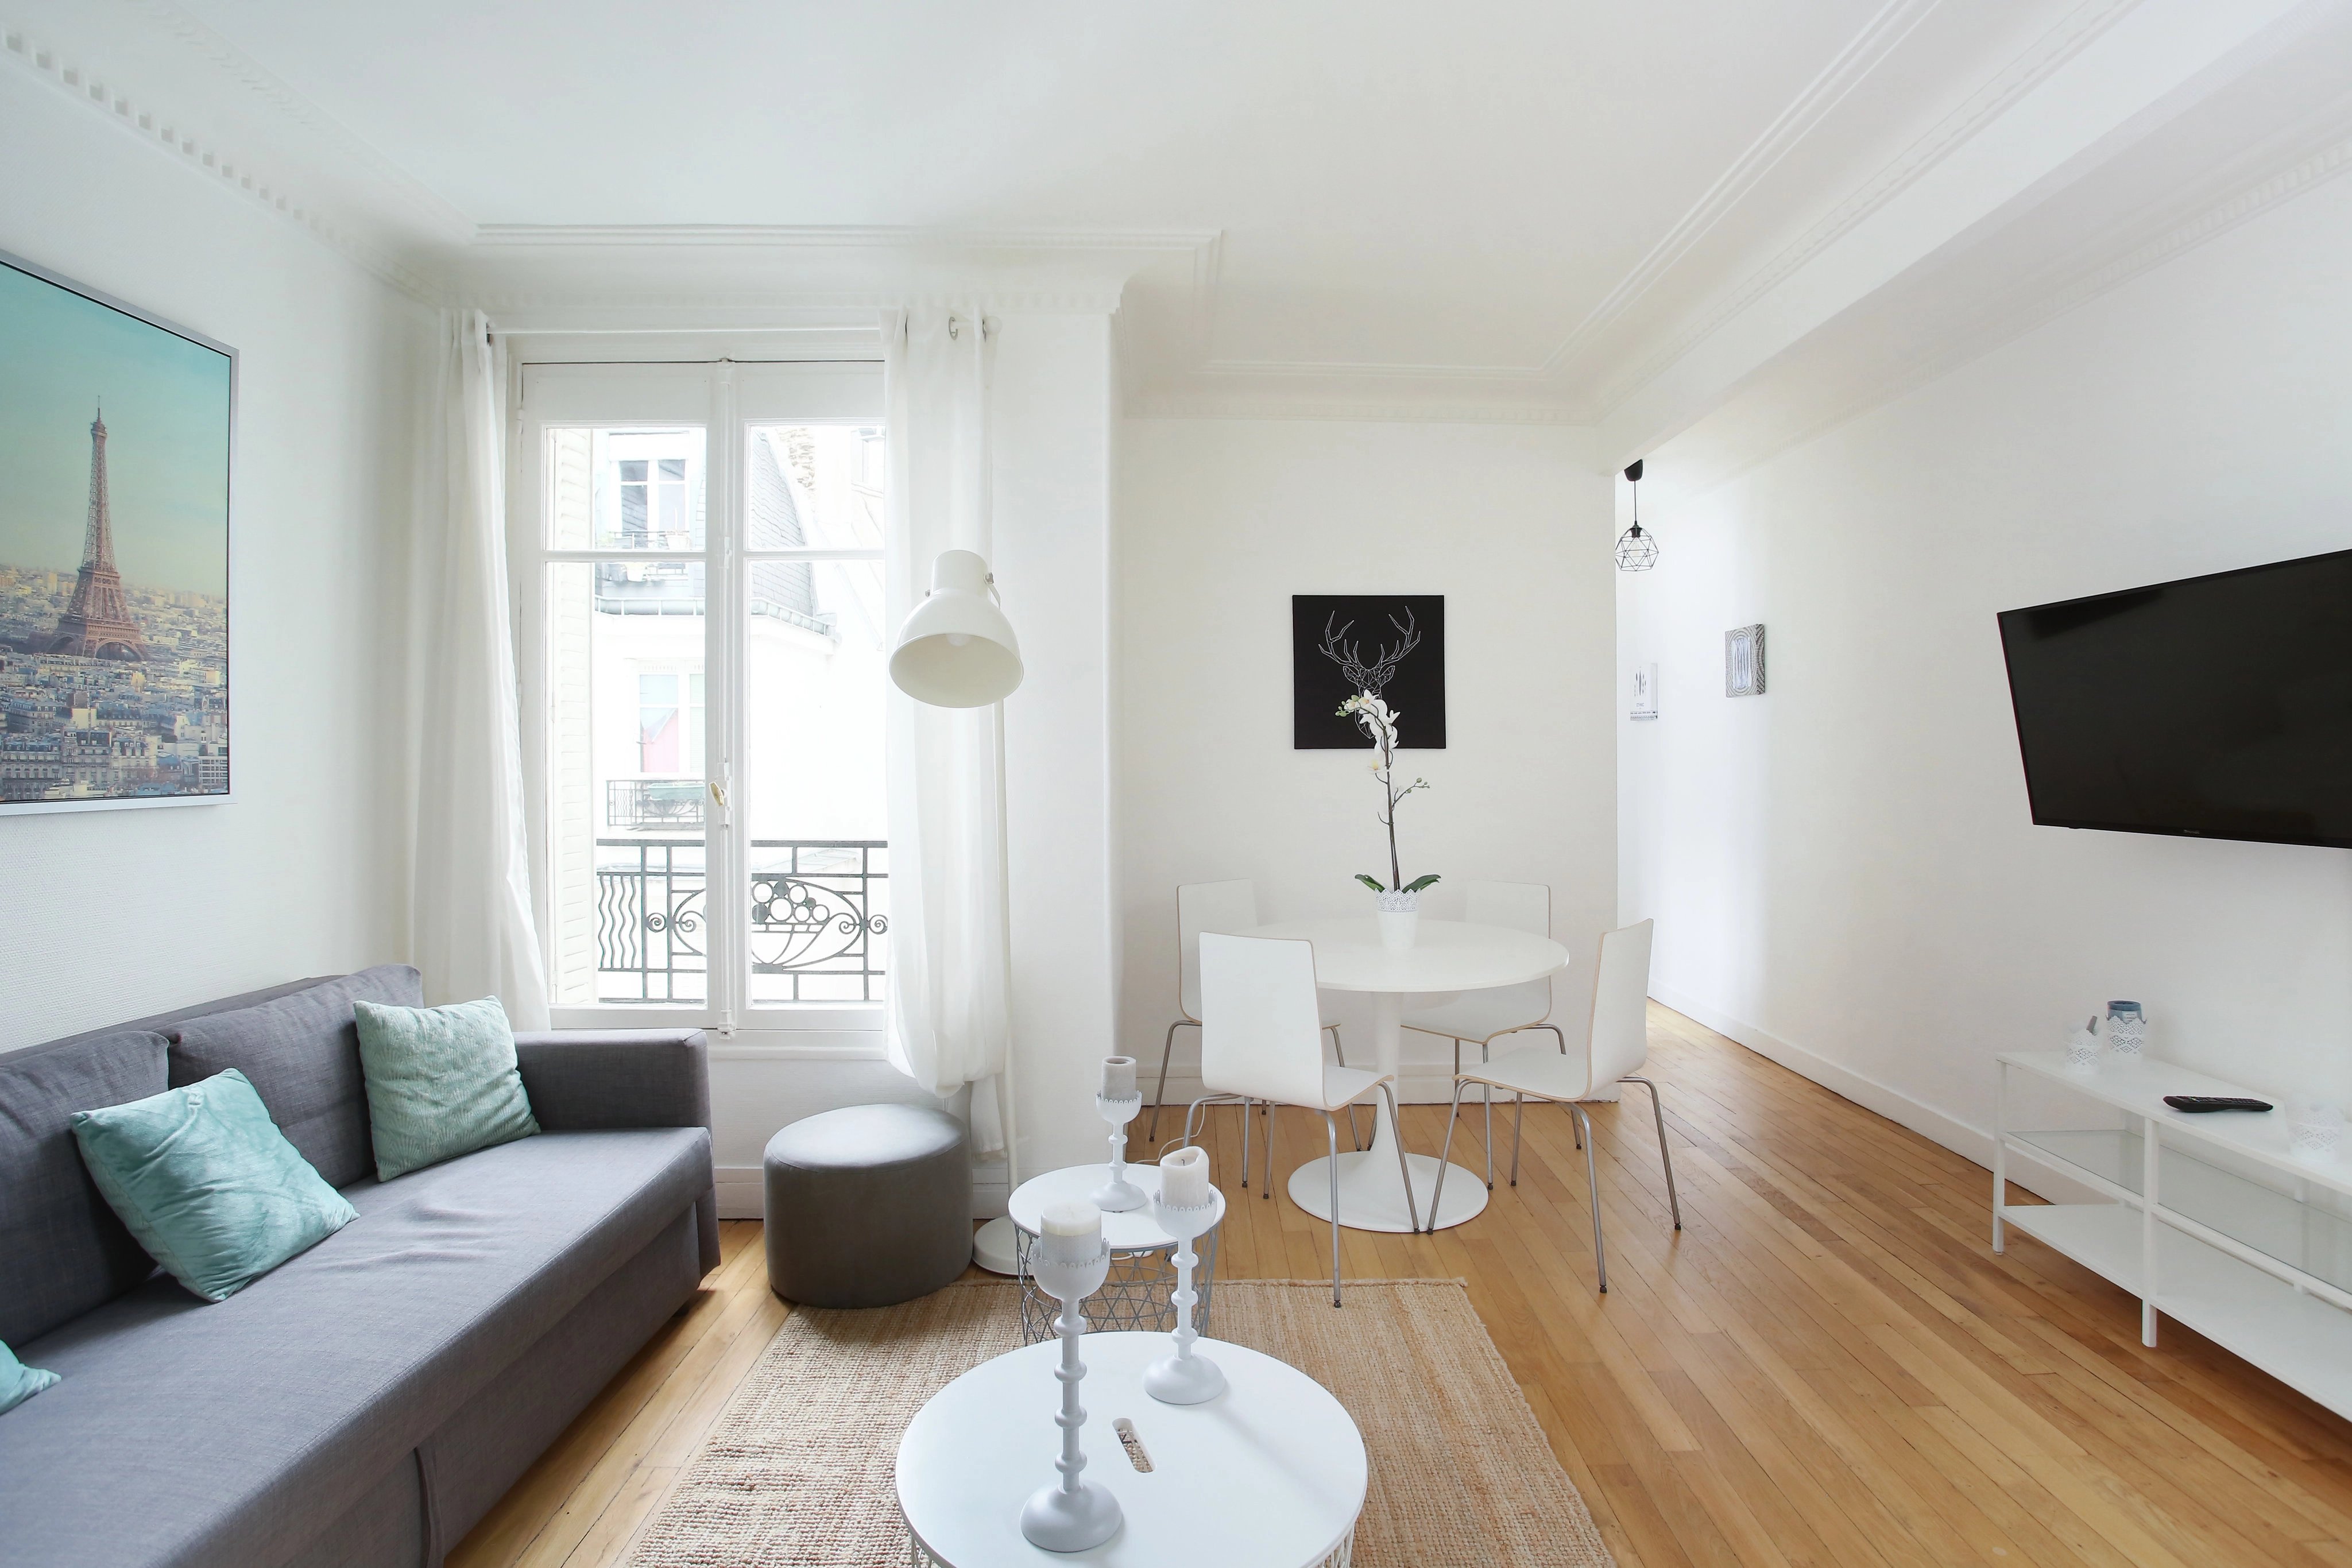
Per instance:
{"type": "Point", "coordinates": [704, 674]}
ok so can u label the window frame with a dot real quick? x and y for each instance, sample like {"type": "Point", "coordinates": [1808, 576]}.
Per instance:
{"type": "Point", "coordinates": [564, 383]}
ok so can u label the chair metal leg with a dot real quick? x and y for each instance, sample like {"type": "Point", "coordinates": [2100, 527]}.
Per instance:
{"type": "Point", "coordinates": [1412, 1208]}
{"type": "Point", "coordinates": [1267, 1190]}
{"type": "Point", "coordinates": [1593, 1191]}
{"type": "Point", "coordinates": [1519, 1123]}
{"type": "Point", "coordinates": [1331, 1126]}
{"type": "Point", "coordinates": [1167, 1049]}
{"type": "Point", "coordinates": [1446, 1158]}
{"type": "Point", "coordinates": [1658, 1109]}
{"type": "Point", "coordinates": [1340, 1051]}
{"type": "Point", "coordinates": [1484, 1055]}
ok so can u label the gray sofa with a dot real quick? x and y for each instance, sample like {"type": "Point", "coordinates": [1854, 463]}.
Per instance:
{"type": "Point", "coordinates": [363, 1405]}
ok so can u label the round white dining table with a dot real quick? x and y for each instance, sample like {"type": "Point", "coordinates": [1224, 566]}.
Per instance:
{"type": "Point", "coordinates": [1448, 956]}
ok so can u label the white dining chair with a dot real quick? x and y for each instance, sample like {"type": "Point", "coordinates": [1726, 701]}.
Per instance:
{"type": "Point", "coordinates": [1616, 1045]}
{"type": "Point", "coordinates": [1215, 907]}
{"type": "Point", "coordinates": [1482, 1018]}
{"type": "Point", "coordinates": [1262, 1038]}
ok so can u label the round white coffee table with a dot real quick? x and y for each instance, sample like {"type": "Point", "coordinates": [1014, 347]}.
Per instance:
{"type": "Point", "coordinates": [1449, 955]}
{"type": "Point", "coordinates": [1270, 1474]}
{"type": "Point", "coordinates": [1143, 1270]}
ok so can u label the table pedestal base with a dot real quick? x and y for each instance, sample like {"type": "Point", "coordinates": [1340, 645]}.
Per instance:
{"type": "Point", "coordinates": [1371, 1193]}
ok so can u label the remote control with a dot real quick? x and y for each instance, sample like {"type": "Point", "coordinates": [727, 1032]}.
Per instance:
{"type": "Point", "coordinates": [2195, 1103]}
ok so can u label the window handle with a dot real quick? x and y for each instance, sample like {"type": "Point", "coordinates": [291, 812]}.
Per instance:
{"type": "Point", "coordinates": [719, 798]}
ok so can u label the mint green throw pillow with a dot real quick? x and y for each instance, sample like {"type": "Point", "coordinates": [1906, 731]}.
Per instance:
{"type": "Point", "coordinates": [207, 1184]}
{"type": "Point", "coordinates": [441, 1081]}
{"type": "Point", "coordinates": [18, 1381]}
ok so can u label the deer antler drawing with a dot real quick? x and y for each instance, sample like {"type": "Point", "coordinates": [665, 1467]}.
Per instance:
{"type": "Point", "coordinates": [1349, 656]}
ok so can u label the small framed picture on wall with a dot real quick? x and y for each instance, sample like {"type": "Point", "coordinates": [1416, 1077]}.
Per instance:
{"type": "Point", "coordinates": [1641, 692]}
{"type": "Point", "coordinates": [1743, 662]}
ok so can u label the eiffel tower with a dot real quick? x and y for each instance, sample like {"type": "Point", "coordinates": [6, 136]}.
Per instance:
{"type": "Point", "coordinates": [98, 624]}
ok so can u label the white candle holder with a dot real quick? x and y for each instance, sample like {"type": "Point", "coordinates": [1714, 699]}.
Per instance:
{"type": "Point", "coordinates": [1073, 1513]}
{"type": "Point", "coordinates": [1119, 1195]}
{"type": "Point", "coordinates": [1184, 1378]}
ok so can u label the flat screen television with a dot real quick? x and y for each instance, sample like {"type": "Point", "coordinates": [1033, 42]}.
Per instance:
{"type": "Point", "coordinates": [2216, 708]}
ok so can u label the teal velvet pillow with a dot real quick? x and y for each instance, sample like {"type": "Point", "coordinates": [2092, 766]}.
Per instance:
{"type": "Point", "coordinates": [18, 1381]}
{"type": "Point", "coordinates": [441, 1081]}
{"type": "Point", "coordinates": [207, 1184]}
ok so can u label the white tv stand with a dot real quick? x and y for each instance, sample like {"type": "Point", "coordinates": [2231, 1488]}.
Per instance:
{"type": "Point", "coordinates": [2262, 1270]}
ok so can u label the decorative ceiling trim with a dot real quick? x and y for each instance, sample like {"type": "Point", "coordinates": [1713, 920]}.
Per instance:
{"type": "Point", "coordinates": [2002, 324]}
{"type": "Point", "coordinates": [314, 123]}
{"type": "Point", "coordinates": [1864, 54]}
{"type": "Point", "coordinates": [1364, 411]}
{"type": "Point", "coordinates": [674, 312]}
{"type": "Point", "coordinates": [166, 132]}
{"type": "Point", "coordinates": [2080, 28]}
{"type": "Point", "coordinates": [815, 237]}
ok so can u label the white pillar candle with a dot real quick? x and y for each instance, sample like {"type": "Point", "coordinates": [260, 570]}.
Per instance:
{"type": "Point", "coordinates": [1185, 1177]}
{"type": "Point", "coordinates": [1070, 1232]}
{"type": "Point", "coordinates": [1118, 1078]}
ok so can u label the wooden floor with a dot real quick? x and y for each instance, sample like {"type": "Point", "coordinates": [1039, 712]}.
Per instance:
{"type": "Point", "coordinates": [1827, 1365]}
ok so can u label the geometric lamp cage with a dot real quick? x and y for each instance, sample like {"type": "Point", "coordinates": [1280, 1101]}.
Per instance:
{"type": "Point", "coordinates": [1636, 550]}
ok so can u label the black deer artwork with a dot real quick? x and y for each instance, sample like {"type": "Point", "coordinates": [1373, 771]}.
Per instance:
{"type": "Point", "coordinates": [1392, 645]}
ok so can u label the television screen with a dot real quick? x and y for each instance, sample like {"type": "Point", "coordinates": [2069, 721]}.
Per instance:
{"type": "Point", "coordinates": [2216, 707]}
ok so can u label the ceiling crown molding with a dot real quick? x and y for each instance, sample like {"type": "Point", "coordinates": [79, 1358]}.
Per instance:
{"type": "Point", "coordinates": [316, 126]}
{"type": "Point", "coordinates": [2081, 27]}
{"type": "Point", "coordinates": [821, 236]}
{"type": "Point", "coordinates": [87, 83]}
{"type": "Point", "coordinates": [2010, 318]}
{"type": "Point", "coordinates": [1864, 54]}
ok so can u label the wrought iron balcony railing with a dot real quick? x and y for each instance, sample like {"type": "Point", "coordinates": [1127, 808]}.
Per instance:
{"type": "Point", "coordinates": [818, 929]}
{"type": "Point", "coordinates": [643, 803]}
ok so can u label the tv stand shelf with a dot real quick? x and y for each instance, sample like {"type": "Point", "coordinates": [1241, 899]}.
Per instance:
{"type": "Point", "coordinates": [2261, 1270]}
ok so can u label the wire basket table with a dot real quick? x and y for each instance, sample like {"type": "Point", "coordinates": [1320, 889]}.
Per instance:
{"type": "Point", "coordinates": [1142, 1258]}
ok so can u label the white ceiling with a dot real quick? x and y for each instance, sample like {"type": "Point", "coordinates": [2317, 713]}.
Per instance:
{"type": "Point", "coordinates": [1584, 211]}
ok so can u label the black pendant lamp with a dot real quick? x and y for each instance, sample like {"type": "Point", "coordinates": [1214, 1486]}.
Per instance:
{"type": "Point", "coordinates": [1636, 551]}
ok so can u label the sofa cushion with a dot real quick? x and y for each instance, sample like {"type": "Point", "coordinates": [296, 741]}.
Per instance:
{"type": "Point", "coordinates": [207, 1183]}
{"type": "Point", "coordinates": [62, 1250]}
{"type": "Point", "coordinates": [18, 1381]}
{"type": "Point", "coordinates": [303, 1053]}
{"type": "Point", "coordinates": [228, 1436]}
{"type": "Point", "coordinates": [441, 1081]}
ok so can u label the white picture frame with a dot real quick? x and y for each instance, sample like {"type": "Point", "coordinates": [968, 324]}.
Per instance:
{"type": "Point", "coordinates": [1641, 691]}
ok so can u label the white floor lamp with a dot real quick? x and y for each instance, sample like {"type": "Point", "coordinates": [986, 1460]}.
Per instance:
{"type": "Point", "coordinates": [957, 650]}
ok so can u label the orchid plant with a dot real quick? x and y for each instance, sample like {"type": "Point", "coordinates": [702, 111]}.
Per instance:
{"type": "Point", "coordinates": [1378, 721]}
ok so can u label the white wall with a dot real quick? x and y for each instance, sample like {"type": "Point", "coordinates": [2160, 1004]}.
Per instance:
{"type": "Point", "coordinates": [1052, 430]}
{"type": "Point", "coordinates": [110, 914]}
{"type": "Point", "coordinates": [1221, 522]}
{"type": "Point", "coordinates": [1844, 871]}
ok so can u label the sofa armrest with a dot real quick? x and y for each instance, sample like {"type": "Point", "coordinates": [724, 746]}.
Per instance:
{"type": "Point", "coordinates": [588, 1080]}
{"type": "Point", "coordinates": [582, 1080]}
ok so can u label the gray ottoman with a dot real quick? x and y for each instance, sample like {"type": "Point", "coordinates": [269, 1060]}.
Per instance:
{"type": "Point", "coordinates": [868, 1205]}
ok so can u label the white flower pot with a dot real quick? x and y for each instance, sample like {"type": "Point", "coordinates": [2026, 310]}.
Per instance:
{"type": "Point", "coordinates": [1400, 919]}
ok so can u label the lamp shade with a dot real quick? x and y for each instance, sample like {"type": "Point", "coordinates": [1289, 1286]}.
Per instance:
{"type": "Point", "coordinates": [957, 649]}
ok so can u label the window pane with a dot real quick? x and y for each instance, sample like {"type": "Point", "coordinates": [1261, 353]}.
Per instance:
{"type": "Point", "coordinates": [626, 488]}
{"type": "Point", "coordinates": [813, 676]}
{"type": "Point", "coordinates": [625, 772]}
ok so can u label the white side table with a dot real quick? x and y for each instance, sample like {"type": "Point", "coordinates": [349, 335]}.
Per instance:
{"type": "Point", "coordinates": [1143, 1261]}
{"type": "Point", "coordinates": [1450, 955]}
{"type": "Point", "coordinates": [1271, 1474]}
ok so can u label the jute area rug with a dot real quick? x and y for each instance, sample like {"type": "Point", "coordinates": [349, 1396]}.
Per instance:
{"type": "Point", "coordinates": [798, 1470]}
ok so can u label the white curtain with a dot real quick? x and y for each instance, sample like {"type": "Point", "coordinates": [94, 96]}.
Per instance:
{"type": "Point", "coordinates": [948, 1010]}
{"type": "Point", "coordinates": [470, 927]}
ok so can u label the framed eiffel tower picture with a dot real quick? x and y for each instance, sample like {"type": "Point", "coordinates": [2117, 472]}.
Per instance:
{"type": "Point", "coordinates": [118, 434]}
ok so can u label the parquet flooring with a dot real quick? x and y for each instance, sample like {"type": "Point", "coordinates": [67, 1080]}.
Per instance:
{"type": "Point", "coordinates": [1826, 1366]}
